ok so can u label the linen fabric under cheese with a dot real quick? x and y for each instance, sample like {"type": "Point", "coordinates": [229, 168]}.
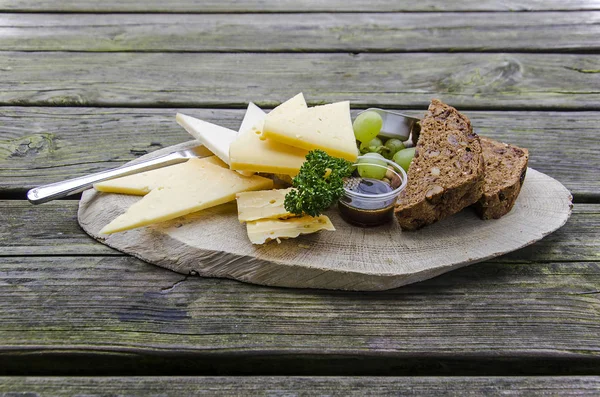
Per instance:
{"type": "Point", "coordinates": [263, 204]}
{"type": "Point", "coordinates": [326, 127]}
{"type": "Point", "coordinates": [264, 230]}
{"type": "Point", "coordinates": [142, 183]}
{"type": "Point", "coordinates": [199, 185]}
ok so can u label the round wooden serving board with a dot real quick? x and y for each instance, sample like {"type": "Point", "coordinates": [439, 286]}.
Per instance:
{"type": "Point", "coordinates": [212, 243]}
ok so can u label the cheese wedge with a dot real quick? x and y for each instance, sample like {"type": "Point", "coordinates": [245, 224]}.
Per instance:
{"type": "Point", "coordinates": [251, 152]}
{"type": "Point", "coordinates": [199, 185]}
{"type": "Point", "coordinates": [254, 115]}
{"type": "Point", "coordinates": [216, 138]}
{"type": "Point", "coordinates": [142, 183]}
{"type": "Point", "coordinates": [326, 127]}
{"type": "Point", "coordinates": [265, 230]}
{"type": "Point", "coordinates": [289, 107]}
{"type": "Point", "coordinates": [264, 204]}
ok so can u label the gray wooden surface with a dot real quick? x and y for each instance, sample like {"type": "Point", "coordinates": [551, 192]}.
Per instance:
{"type": "Point", "coordinates": [86, 86]}
{"type": "Point", "coordinates": [468, 81]}
{"type": "Point", "coordinates": [302, 386]}
{"type": "Point", "coordinates": [322, 32]}
{"type": "Point", "coordinates": [267, 6]}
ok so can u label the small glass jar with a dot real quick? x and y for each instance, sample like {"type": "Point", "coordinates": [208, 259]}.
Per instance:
{"type": "Point", "coordinates": [370, 202]}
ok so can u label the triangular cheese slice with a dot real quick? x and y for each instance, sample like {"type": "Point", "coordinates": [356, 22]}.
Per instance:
{"type": "Point", "coordinates": [216, 138]}
{"type": "Point", "coordinates": [252, 152]}
{"type": "Point", "coordinates": [253, 116]}
{"type": "Point", "coordinates": [142, 183]}
{"type": "Point", "coordinates": [199, 185]}
{"type": "Point", "coordinates": [326, 127]}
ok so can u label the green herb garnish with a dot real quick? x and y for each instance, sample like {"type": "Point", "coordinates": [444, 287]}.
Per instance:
{"type": "Point", "coordinates": [318, 185]}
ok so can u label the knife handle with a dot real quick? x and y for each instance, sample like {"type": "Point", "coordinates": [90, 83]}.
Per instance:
{"type": "Point", "coordinates": [53, 191]}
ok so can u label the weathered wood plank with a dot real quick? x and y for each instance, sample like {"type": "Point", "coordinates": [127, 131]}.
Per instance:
{"type": "Point", "coordinates": [43, 145]}
{"type": "Point", "coordinates": [292, 5]}
{"type": "Point", "coordinates": [350, 32]}
{"type": "Point", "coordinates": [540, 81]}
{"type": "Point", "coordinates": [117, 315]}
{"type": "Point", "coordinates": [301, 386]}
{"type": "Point", "coordinates": [52, 229]}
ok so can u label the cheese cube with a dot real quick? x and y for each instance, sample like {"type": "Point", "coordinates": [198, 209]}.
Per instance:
{"type": "Point", "coordinates": [265, 230]}
{"type": "Point", "coordinates": [326, 127]}
{"type": "Point", "coordinates": [198, 185]}
{"type": "Point", "coordinates": [263, 204]}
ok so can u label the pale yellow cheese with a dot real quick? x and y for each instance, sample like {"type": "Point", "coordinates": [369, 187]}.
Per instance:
{"type": "Point", "coordinates": [141, 184]}
{"type": "Point", "coordinates": [265, 230]}
{"type": "Point", "coordinates": [291, 106]}
{"type": "Point", "coordinates": [252, 152]}
{"type": "Point", "coordinates": [326, 127]}
{"type": "Point", "coordinates": [263, 204]}
{"type": "Point", "coordinates": [199, 185]}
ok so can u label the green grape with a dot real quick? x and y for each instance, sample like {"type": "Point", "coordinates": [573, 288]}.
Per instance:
{"type": "Point", "coordinates": [367, 126]}
{"type": "Point", "coordinates": [375, 168]}
{"type": "Point", "coordinates": [394, 145]}
{"type": "Point", "coordinates": [404, 157]}
{"type": "Point", "coordinates": [371, 146]}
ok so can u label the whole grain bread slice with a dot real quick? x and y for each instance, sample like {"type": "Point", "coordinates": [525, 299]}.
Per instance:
{"type": "Point", "coordinates": [447, 172]}
{"type": "Point", "coordinates": [505, 168]}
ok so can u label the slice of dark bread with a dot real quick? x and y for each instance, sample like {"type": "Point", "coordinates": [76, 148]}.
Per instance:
{"type": "Point", "coordinates": [447, 172]}
{"type": "Point", "coordinates": [505, 168]}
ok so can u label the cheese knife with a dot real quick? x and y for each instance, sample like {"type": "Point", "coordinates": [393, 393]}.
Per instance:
{"type": "Point", "coordinates": [53, 191]}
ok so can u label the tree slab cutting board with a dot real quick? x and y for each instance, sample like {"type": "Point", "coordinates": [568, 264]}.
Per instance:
{"type": "Point", "coordinates": [213, 243]}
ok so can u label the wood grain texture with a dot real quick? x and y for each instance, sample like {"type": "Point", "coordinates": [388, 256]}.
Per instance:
{"type": "Point", "coordinates": [213, 243]}
{"type": "Point", "coordinates": [350, 32]}
{"type": "Point", "coordinates": [44, 145]}
{"type": "Point", "coordinates": [467, 81]}
{"type": "Point", "coordinates": [301, 386]}
{"type": "Point", "coordinates": [52, 229]}
{"type": "Point", "coordinates": [117, 315]}
{"type": "Point", "coordinates": [292, 5]}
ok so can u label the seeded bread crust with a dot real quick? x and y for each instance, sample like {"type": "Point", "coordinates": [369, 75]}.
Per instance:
{"type": "Point", "coordinates": [447, 172]}
{"type": "Point", "coordinates": [505, 168]}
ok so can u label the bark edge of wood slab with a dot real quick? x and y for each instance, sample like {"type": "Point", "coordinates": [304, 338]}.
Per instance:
{"type": "Point", "coordinates": [212, 243]}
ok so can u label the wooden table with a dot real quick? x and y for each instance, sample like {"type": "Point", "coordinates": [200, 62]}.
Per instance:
{"type": "Point", "coordinates": [86, 86]}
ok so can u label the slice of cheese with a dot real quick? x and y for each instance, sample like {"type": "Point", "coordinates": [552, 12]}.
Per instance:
{"type": "Point", "coordinates": [263, 204]}
{"type": "Point", "coordinates": [326, 127]}
{"type": "Point", "coordinates": [252, 152]}
{"type": "Point", "coordinates": [216, 138]}
{"type": "Point", "coordinates": [199, 185]}
{"type": "Point", "coordinates": [291, 106]}
{"type": "Point", "coordinates": [254, 116]}
{"type": "Point", "coordinates": [142, 183]}
{"type": "Point", "coordinates": [264, 230]}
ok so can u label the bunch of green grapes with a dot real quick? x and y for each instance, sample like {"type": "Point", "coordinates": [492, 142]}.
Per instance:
{"type": "Point", "coordinates": [366, 131]}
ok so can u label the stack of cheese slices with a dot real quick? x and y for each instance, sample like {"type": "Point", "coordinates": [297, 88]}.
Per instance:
{"type": "Point", "coordinates": [274, 143]}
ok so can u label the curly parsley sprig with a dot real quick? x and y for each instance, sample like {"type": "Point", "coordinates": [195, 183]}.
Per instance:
{"type": "Point", "coordinates": [318, 185]}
